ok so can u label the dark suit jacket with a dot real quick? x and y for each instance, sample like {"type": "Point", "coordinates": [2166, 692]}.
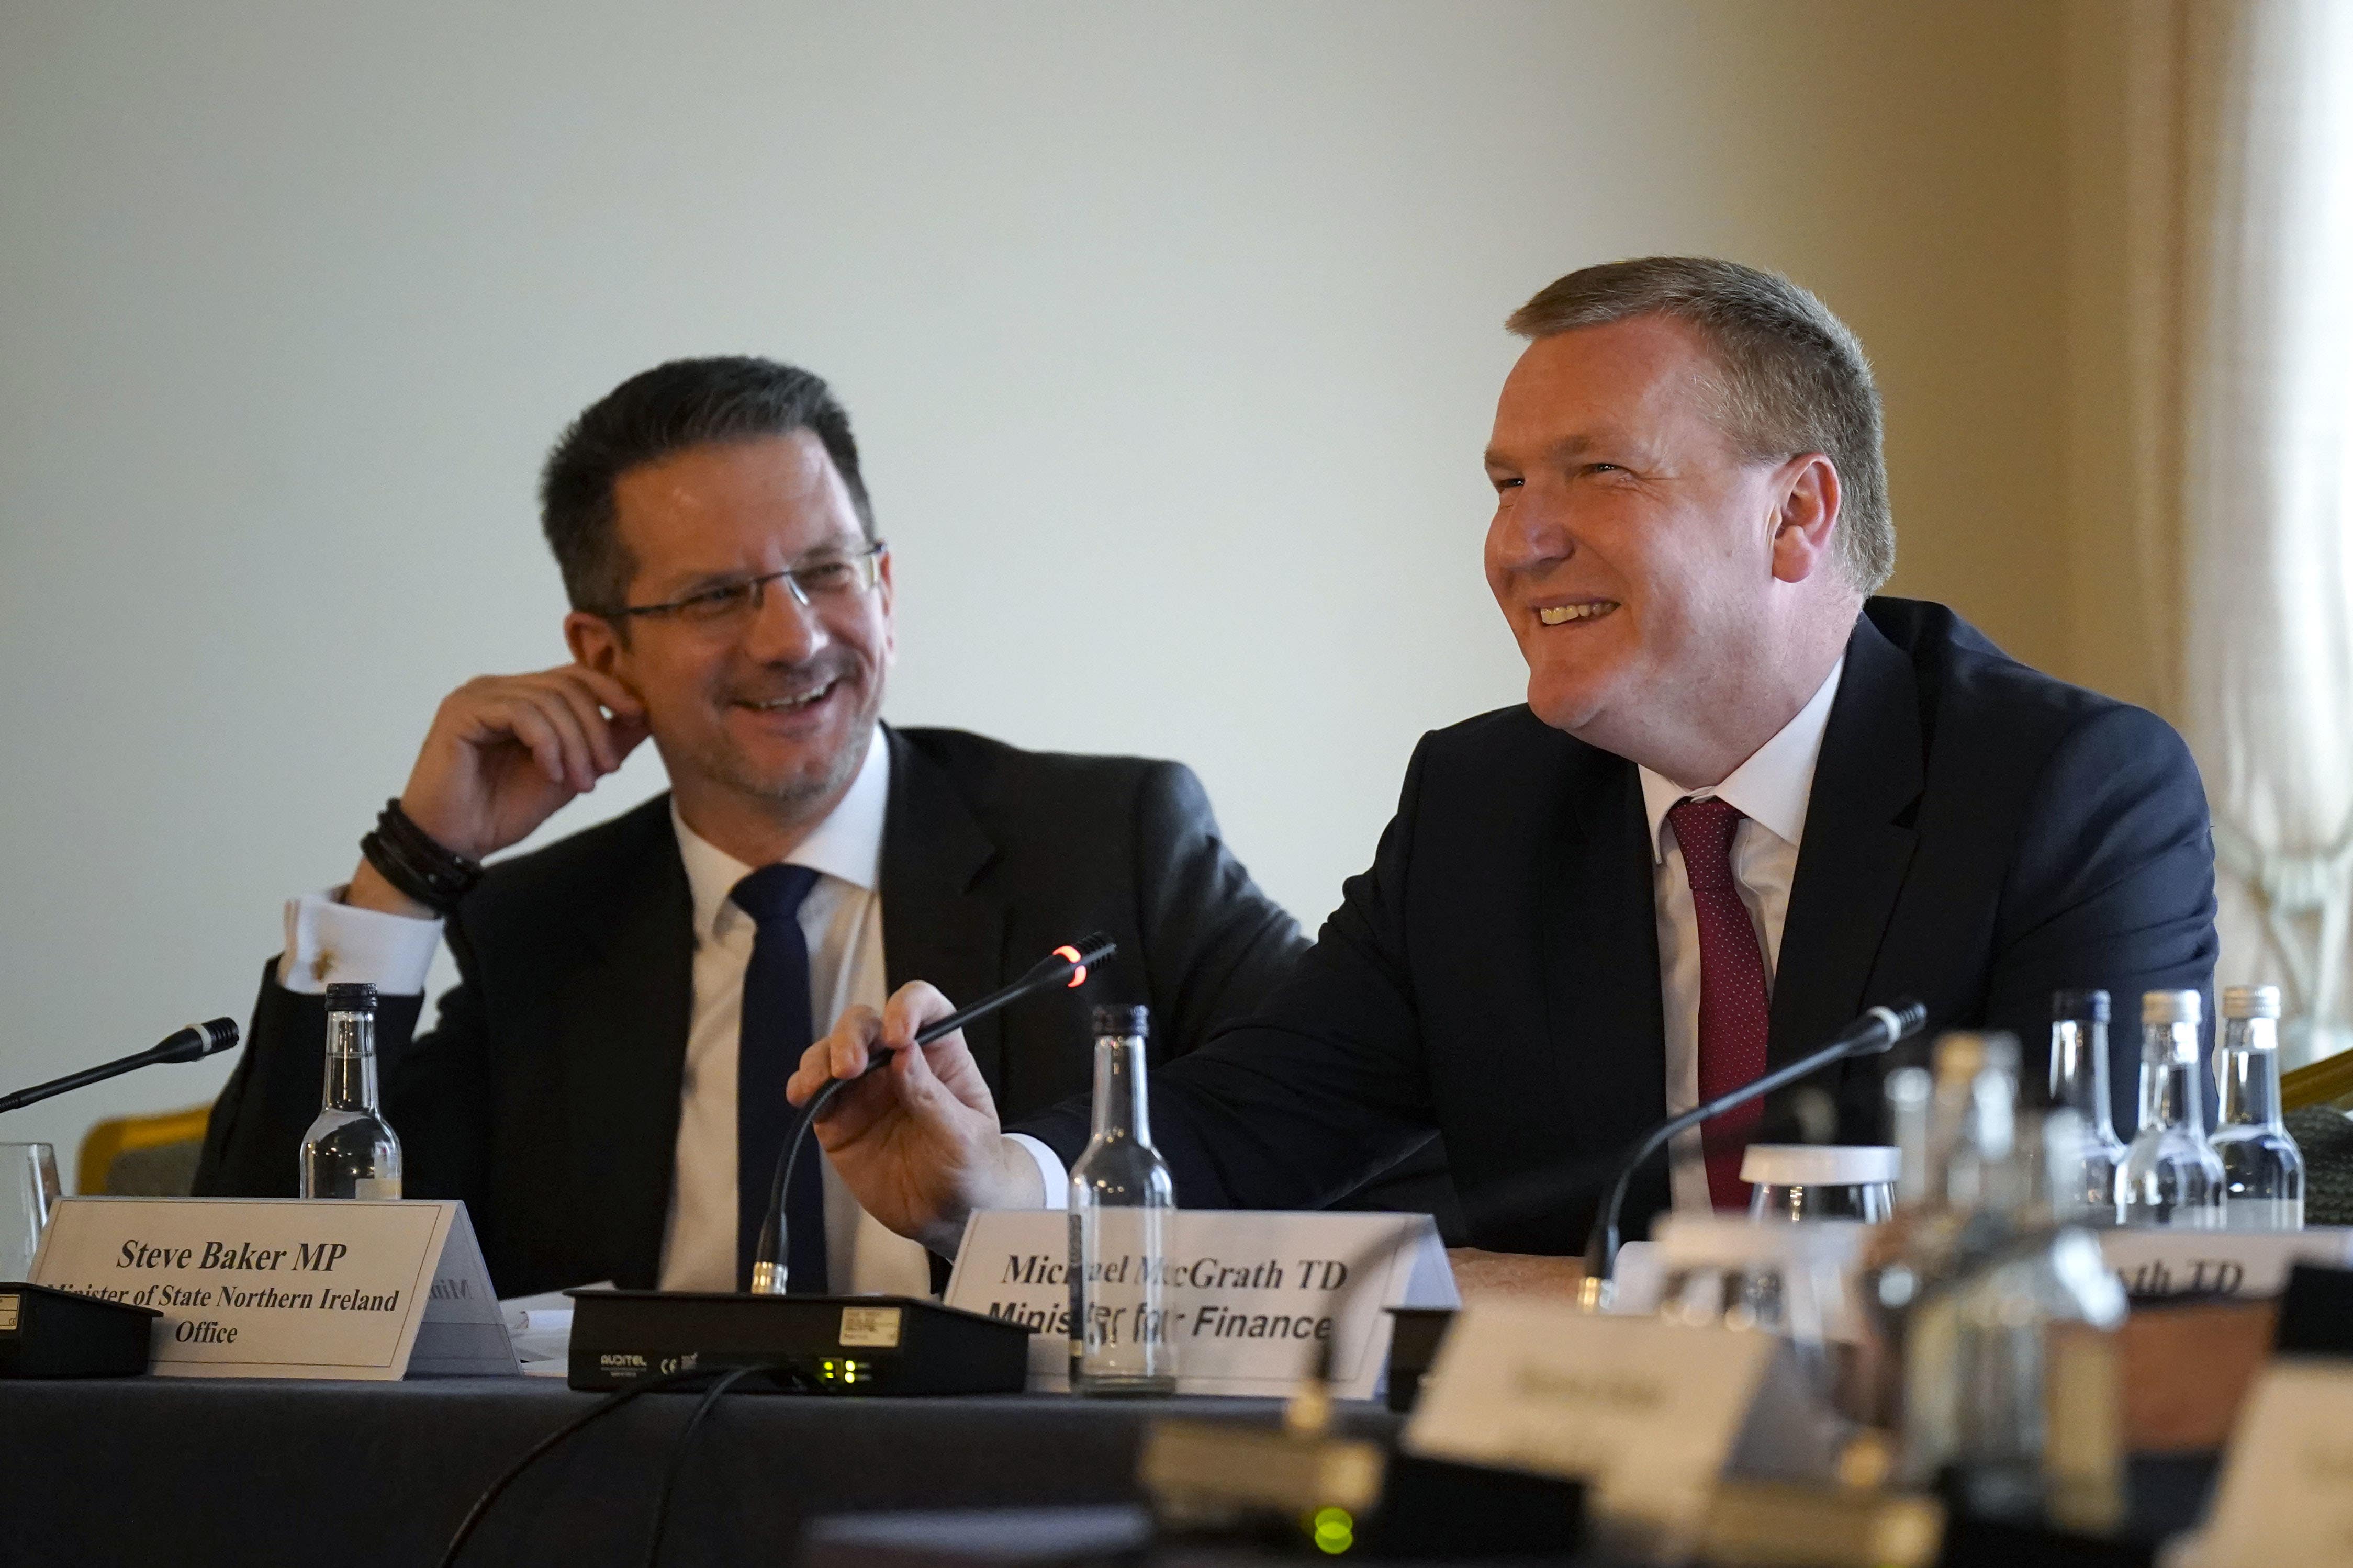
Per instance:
{"type": "Point", "coordinates": [1979, 835]}
{"type": "Point", "coordinates": [547, 1096]}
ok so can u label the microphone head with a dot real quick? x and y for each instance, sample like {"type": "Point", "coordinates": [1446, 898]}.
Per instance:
{"type": "Point", "coordinates": [195, 1042]}
{"type": "Point", "coordinates": [1084, 954]}
{"type": "Point", "coordinates": [1899, 1020]}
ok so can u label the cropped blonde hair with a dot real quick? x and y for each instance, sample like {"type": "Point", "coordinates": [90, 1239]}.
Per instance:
{"type": "Point", "coordinates": [1794, 379]}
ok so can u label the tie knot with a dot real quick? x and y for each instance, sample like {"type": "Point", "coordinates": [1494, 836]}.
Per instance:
{"type": "Point", "coordinates": [774, 893]}
{"type": "Point", "coordinates": [1705, 827]}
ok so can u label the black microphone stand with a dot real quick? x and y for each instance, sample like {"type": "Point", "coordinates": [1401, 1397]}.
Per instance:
{"type": "Point", "coordinates": [197, 1040]}
{"type": "Point", "coordinates": [1882, 1026]}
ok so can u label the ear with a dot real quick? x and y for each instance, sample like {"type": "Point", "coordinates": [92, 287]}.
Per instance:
{"type": "Point", "coordinates": [1806, 515]}
{"type": "Point", "coordinates": [597, 642]}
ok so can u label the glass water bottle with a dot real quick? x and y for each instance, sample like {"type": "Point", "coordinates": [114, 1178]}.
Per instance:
{"type": "Point", "coordinates": [1991, 1295]}
{"type": "Point", "coordinates": [2079, 1082]}
{"type": "Point", "coordinates": [350, 1151]}
{"type": "Point", "coordinates": [2263, 1171]}
{"type": "Point", "coordinates": [1120, 1198]}
{"type": "Point", "coordinates": [2172, 1176]}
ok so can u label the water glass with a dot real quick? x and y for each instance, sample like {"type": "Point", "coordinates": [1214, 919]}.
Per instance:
{"type": "Point", "coordinates": [1820, 1181]}
{"type": "Point", "coordinates": [28, 1192]}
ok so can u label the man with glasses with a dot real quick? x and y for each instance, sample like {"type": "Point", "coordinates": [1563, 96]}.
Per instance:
{"type": "Point", "coordinates": [604, 1085]}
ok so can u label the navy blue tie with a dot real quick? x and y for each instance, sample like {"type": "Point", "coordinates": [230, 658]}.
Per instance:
{"type": "Point", "coordinates": [775, 1031]}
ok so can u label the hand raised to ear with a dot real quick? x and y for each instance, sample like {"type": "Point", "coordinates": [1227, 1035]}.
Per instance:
{"type": "Point", "coordinates": [504, 754]}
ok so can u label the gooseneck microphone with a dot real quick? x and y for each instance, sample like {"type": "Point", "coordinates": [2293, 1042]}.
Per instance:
{"type": "Point", "coordinates": [1066, 965]}
{"type": "Point", "coordinates": [191, 1044]}
{"type": "Point", "coordinates": [1874, 1032]}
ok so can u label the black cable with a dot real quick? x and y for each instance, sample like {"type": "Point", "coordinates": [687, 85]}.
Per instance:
{"type": "Point", "coordinates": [548, 1445]}
{"type": "Point", "coordinates": [682, 1443]}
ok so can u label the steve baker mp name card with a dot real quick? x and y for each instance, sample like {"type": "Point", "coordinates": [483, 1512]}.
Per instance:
{"type": "Point", "coordinates": [281, 1288]}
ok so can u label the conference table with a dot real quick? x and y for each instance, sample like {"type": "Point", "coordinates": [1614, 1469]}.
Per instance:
{"type": "Point", "coordinates": [194, 1471]}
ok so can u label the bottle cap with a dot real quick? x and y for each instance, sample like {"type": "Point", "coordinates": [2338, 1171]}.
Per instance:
{"type": "Point", "coordinates": [2091, 1007]}
{"type": "Point", "coordinates": [1119, 1023]}
{"type": "Point", "coordinates": [351, 998]}
{"type": "Point", "coordinates": [2250, 1002]}
{"type": "Point", "coordinates": [1817, 1165]}
{"type": "Point", "coordinates": [2171, 1008]}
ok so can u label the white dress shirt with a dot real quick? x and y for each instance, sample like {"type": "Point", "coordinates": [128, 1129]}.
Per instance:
{"type": "Point", "coordinates": [842, 920]}
{"type": "Point", "coordinates": [1770, 790]}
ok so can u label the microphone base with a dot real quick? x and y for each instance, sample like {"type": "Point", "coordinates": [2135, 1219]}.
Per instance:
{"type": "Point", "coordinates": [819, 1344]}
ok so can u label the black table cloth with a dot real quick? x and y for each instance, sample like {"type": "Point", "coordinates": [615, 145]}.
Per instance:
{"type": "Point", "coordinates": [187, 1471]}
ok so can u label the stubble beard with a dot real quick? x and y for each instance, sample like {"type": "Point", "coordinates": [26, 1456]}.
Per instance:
{"type": "Point", "coordinates": [795, 793]}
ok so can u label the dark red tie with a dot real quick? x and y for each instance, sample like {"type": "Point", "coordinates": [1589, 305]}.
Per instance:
{"type": "Point", "coordinates": [1732, 1001]}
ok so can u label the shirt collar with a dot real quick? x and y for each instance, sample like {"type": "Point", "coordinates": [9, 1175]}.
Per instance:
{"type": "Point", "coordinates": [1771, 788]}
{"type": "Point", "coordinates": [846, 845]}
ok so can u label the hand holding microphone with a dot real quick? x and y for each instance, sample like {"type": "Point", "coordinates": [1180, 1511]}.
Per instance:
{"type": "Point", "coordinates": [906, 1118]}
{"type": "Point", "coordinates": [918, 1142]}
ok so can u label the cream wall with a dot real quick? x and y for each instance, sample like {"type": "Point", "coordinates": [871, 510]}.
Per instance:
{"type": "Point", "coordinates": [1171, 332]}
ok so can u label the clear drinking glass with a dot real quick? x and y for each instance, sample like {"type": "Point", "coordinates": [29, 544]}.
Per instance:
{"type": "Point", "coordinates": [29, 1192]}
{"type": "Point", "coordinates": [1120, 1198]}
{"type": "Point", "coordinates": [1820, 1181]}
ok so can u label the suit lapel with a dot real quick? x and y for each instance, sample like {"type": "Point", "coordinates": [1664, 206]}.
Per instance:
{"type": "Point", "coordinates": [1601, 955]}
{"type": "Point", "coordinates": [1856, 851]}
{"type": "Point", "coordinates": [627, 1013]}
{"type": "Point", "coordinates": [937, 924]}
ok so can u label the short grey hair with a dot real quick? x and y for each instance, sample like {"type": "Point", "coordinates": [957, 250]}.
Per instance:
{"type": "Point", "coordinates": [1794, 379]}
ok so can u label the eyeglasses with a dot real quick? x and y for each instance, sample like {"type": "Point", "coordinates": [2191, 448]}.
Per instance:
{"type": "Point", "coordinates": [827, 580]}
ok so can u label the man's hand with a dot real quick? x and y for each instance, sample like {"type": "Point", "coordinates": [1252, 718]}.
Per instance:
{"type": "Point", "coordinates": [505, 752]}
{"type": "Point", "coordinates": [918, 1142]}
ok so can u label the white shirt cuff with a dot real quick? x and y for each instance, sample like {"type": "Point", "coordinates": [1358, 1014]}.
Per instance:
{"type": "Point", "coordinates": [327, 940]}
{"type": "Point", "coordinates": [1049, 1170]}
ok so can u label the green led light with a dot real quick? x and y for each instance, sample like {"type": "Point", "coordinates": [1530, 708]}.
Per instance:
{"type": "Point", "coordinates": [1334, 1530]}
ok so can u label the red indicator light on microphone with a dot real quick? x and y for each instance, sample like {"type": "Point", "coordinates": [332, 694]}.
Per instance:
{"type": "Point", "coordinates": [1077, 970]}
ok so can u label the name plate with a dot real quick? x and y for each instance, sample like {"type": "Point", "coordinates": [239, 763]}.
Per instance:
{"type": "Point", "coordinates": [1645, 1413]}
{"type": "Point", "coordinates": [2286, 1493]}
{"type": "Point", "coordinates": [1250, 1295]}
{"type": "Point", "coordinates": [280, 1288]}
{"type": "Point", "coordinates": [2153, 1262]}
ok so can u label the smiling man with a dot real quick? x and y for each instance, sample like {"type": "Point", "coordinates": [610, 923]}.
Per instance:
{"type": "Point", "coordinates": [1744, 801]}
{"type": "Point", "coordinates": [604, 1087]}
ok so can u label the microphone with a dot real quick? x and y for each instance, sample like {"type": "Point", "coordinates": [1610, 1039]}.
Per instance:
{"type": "Point", "coordinates": [1066, 965]}
{"type": "Point", "coordinates": [1874, 1032]}
{"type": "Point", "coordinates": [191, 1044]}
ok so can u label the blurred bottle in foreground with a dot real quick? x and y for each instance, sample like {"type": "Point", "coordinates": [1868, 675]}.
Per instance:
{"type": "Point", "coordinates": [2079, 1082]}
{"type": "Point", "coordinates": [2172, 1176]}
{"type": "Point", "coordinates": [351, 1151]}
{"type": "Point", "coordinates": [2005, 1307]}
{"type": "Point", "coordinates": [2263, 1171]}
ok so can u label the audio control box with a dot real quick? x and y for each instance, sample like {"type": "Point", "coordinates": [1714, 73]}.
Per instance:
{"type": "Point", "coordinates": [819, 1344]}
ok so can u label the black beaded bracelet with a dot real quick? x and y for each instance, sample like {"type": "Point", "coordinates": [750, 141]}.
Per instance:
{"type": "Point", "coordinates": [417, 864]}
